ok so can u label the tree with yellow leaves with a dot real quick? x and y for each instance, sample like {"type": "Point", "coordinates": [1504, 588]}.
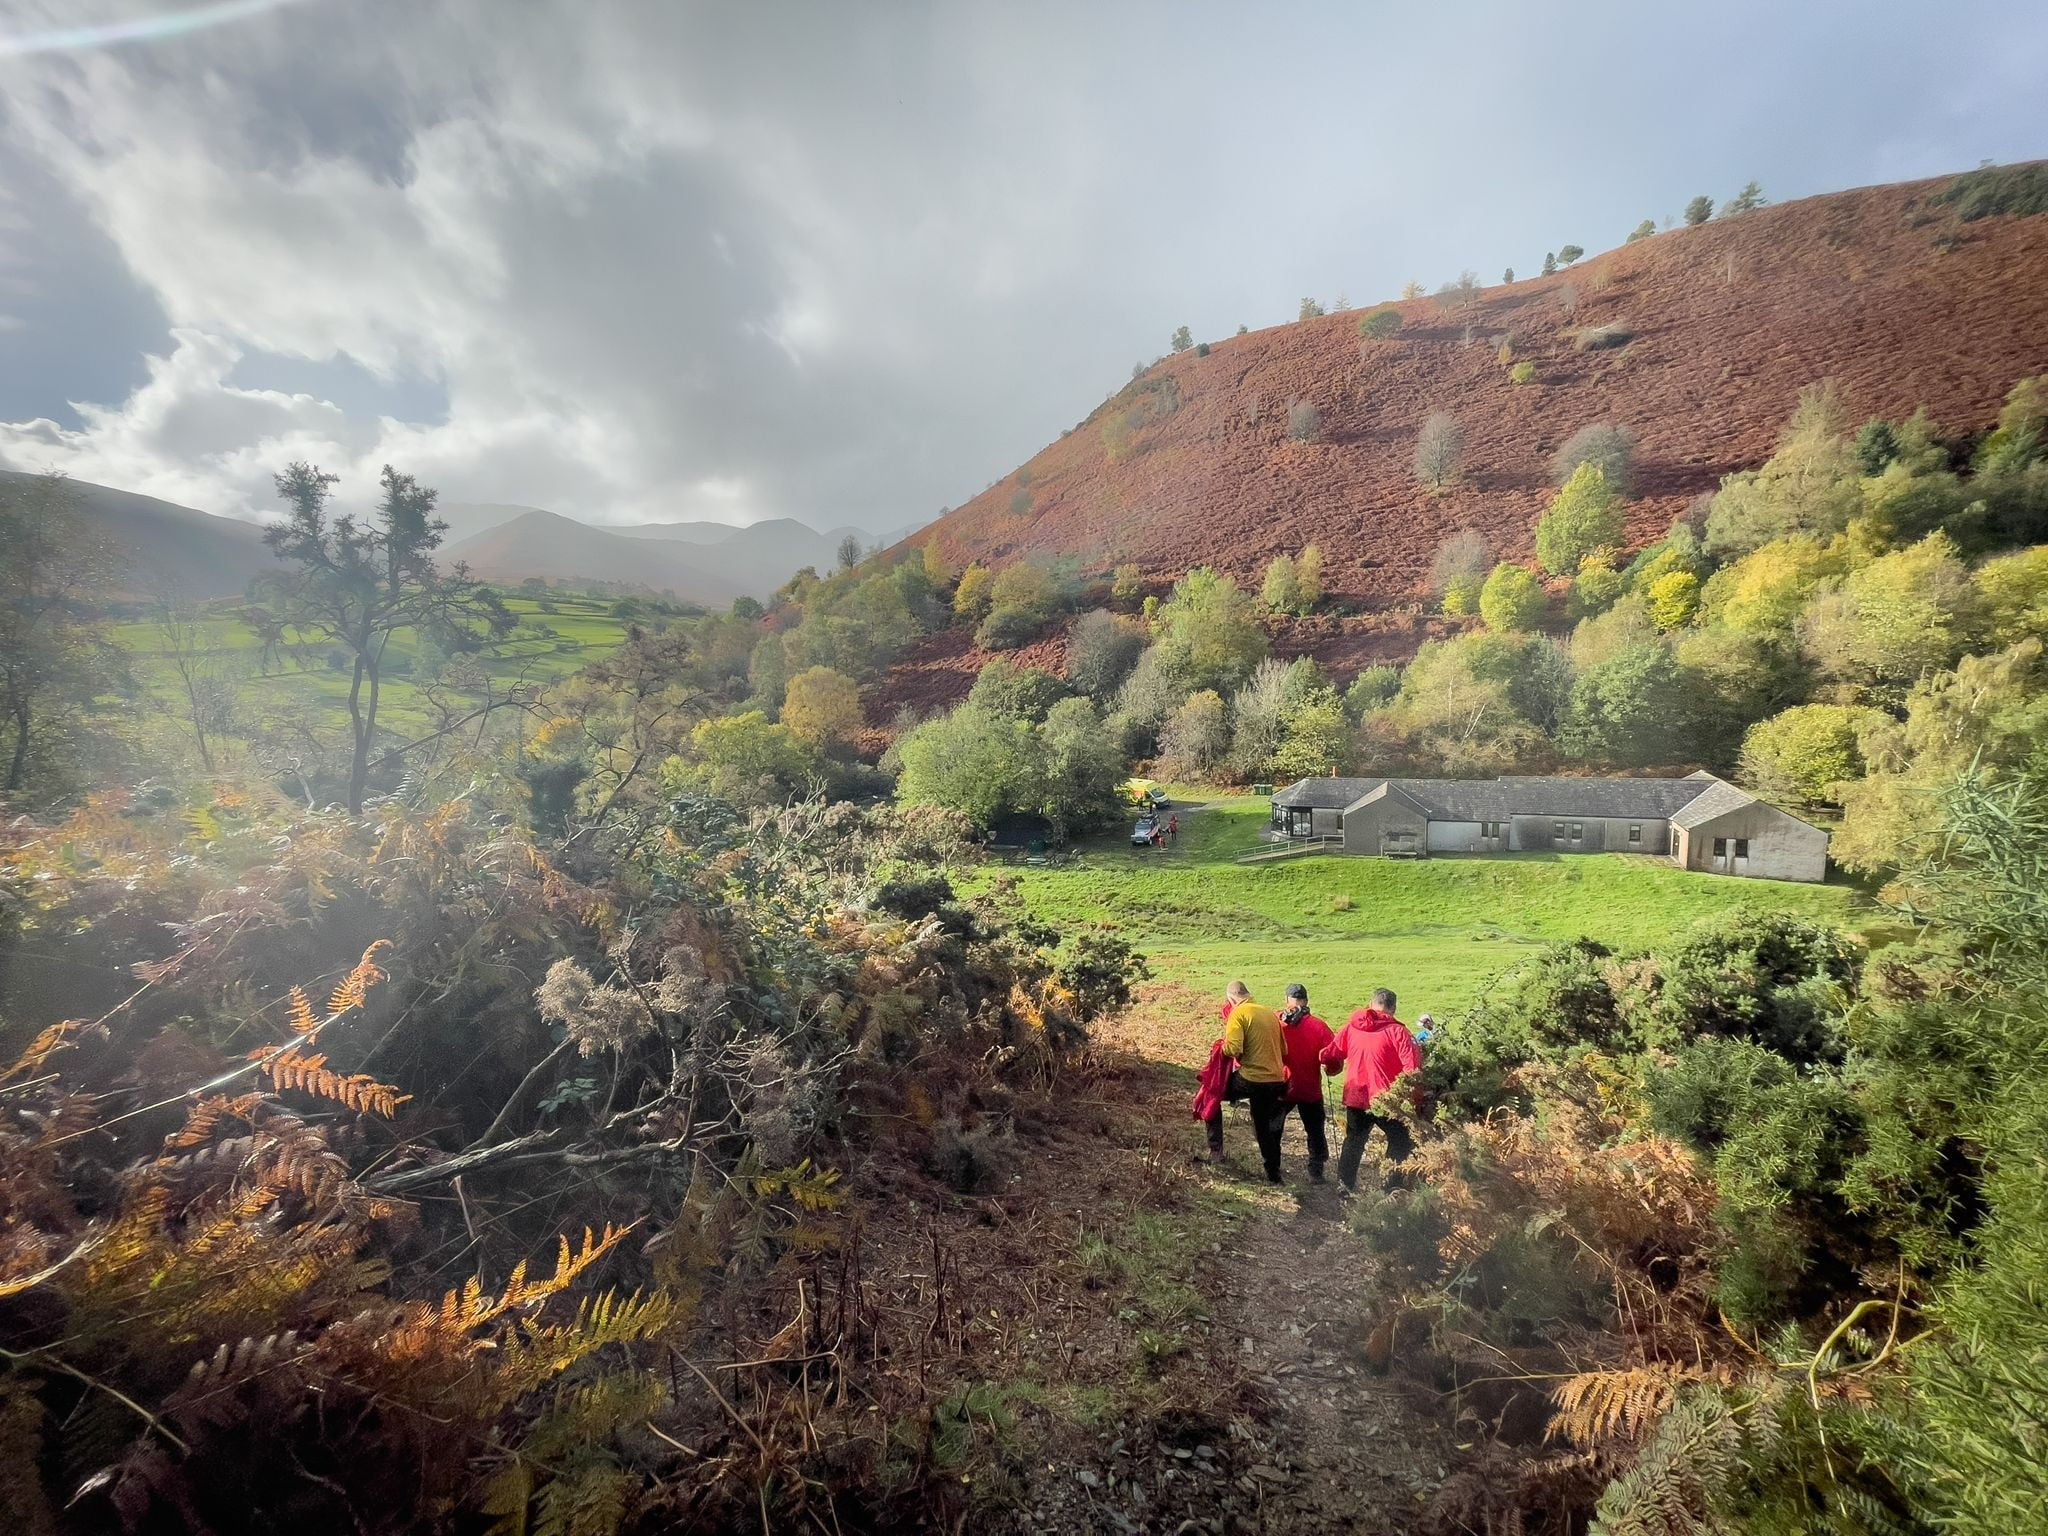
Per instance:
{"type": "Point", "coordinates": [822, 708]}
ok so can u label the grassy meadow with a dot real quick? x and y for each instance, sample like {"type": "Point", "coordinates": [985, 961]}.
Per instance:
{"type": "Point", "coordinates": [546, 645]}
{"type": "Point", "coordinates": [1435, 930]}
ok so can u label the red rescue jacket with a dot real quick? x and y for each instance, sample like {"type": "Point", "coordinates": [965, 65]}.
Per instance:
{"type": "Point", "coordinates": [1213, 1083]}
{"type": "Point", "coordinates": [1371, 1050]}
{"type": "Point", "coordinates": [1306, 1039]}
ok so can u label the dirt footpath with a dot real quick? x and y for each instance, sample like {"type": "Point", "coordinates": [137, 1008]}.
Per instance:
{"type": "Point", "coordinates": [1274, 1420]}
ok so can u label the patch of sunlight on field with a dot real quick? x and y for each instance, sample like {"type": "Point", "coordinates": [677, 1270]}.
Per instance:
{"type": "Point", "coordinates": [547, 645]}
{"type": "Point", "coordinates": [1436, 930]}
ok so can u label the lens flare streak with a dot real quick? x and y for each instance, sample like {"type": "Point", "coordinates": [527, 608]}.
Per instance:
{"type": "Point", "coordinates": [140, 29]}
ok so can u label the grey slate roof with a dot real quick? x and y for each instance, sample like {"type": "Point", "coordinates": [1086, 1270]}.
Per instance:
{"type": "Point", "coordinates": [1324, 794]}
{"type": "Point", "coordinates": [1684, 802]}
{"type": "Point", "coordinates": [1718, 799]}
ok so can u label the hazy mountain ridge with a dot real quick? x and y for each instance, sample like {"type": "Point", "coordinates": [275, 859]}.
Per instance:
{"type": "Point", "coordinates": [179, 552]}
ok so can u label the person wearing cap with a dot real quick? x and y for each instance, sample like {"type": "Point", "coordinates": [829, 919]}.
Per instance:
{"type": "Point", "coordinates": [1372, 1050]}
{"type": "Point", "coordinates": [1254, 1039]}
{"type": "Point", "coordinates": [1306, 1038]}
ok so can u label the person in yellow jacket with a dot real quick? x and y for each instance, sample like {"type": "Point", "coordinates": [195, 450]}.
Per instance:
{"type": "Point", "coordinates": [1254, 1038]}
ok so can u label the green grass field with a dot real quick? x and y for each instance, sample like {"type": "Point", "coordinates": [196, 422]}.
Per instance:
{"type": "Point", "coordinates": [1435, 930]}
{"type": "Point", "coordinates": [546, 645]}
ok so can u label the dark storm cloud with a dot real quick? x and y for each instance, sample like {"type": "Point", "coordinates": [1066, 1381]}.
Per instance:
{"type": "Point", "coordinates": [848, 263]}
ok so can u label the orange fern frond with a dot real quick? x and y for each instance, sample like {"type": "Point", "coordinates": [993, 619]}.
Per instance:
{"type": "Point", "coordinates": [45, 1045]}
{"type": "Point", "coordinates": [568, 1266]}
{"type": "Point", "coordinates": [468, 1308]}
{"type": "Point", "coordinates": [355, 987]}
{"type": "Point", "coordinates": [1597, 1407]}
{"type": "Point", "coordinates": [309, 1074]}
{"type": "Point", "coordinates": [303, 1020]}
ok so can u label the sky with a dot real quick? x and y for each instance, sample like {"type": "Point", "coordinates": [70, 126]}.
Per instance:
{"type": "Point", "coordinates": [846, 262]}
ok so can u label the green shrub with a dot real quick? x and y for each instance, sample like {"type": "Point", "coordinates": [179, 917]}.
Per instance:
{"type": "Point", "coordinates": [1522, 373]}
{"type": "Point", "coordinates": [1008, 627]}
{"type": "Point", "coordinates": [1699, 210]}
{"type": "Point", "coordinates": [1380, 324]}
{"type": "Point", "coordinates": [1992, 190]}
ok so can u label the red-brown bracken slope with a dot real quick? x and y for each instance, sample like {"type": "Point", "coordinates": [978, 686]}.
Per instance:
{"type": "Point", "coordinates": [1877, 288]}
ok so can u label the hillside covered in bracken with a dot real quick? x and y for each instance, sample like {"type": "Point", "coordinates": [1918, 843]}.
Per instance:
{"type": "Point", "coordinates": [1698, 340]}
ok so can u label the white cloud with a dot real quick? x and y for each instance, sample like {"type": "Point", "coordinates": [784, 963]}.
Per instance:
{"type": "Point", "coordinates": [839, 262]}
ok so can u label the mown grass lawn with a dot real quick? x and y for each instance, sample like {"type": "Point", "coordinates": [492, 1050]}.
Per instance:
{"type": "Point", "coordinates": [1435, 930]}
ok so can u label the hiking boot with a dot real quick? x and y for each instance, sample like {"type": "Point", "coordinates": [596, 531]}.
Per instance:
{"type": "Point", "coordinates": [1315, 1176]}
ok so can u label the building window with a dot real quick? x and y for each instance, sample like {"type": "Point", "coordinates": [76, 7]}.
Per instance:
{"type": "Point", "coordinates": [1720, 847]}
{"type": "Point", "coordinates": [1578, 831]}
{"type": "Point", "coordinates": [1635, 834]}
{"type": "Point", "coordinates": [1489, 829]}
{"type": "Point", "coordinates": [1557, 829]}
{"type": "Point", "coordinates": [1742, 847]}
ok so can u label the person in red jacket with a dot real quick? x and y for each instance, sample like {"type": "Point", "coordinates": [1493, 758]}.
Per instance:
{"type": "Point", "coordinates": [1210, 1099]}
{"type": "Point", "coordinates": [1371, 1050]}
{"type": "Point", "coordinates": [1307, 1037]}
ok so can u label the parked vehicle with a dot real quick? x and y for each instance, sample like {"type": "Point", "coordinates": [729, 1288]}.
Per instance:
{"type": "Point", "coordinates": [1144, 832]}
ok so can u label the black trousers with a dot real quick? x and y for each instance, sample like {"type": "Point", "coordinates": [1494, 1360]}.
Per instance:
{"type": "Point", "coordinates": [1266, 1101]}
{"type": "Point", "coordinates": [1358, 1124]}
{"type": "Point", "coordinates": [1233, 1093]}
{"type": "Point", "coordinates": [1268, 1104]}
{"type": "Point", "coordinates": [1314, 1120]}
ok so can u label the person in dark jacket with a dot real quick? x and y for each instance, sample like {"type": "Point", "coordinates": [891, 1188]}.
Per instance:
{"type": "Point", "coordinates": [1307, 1037]}
{"type": "Point", "coordinates": [1371, 1050]}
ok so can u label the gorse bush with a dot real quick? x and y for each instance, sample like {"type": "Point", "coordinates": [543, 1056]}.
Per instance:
{"type": "Point", "coordinates": [1763, 1202]}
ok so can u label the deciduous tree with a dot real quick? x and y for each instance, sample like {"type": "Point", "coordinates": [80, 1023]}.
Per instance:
{"type": "Point", "coordinates": [1208, 633]}
{"type": "Point", "coordinates": [1807, 752]}
{"type": "Point", "coordinates": [1585, 516]}
{"type": "Point", "coordinates": [1606, 443]}
{"type": "Point", "coordinates": [1439, 449]}
{"type": "Point", "coordinates": [1512, 599]}
{"type": "Point", "coordinates": [822, 708]}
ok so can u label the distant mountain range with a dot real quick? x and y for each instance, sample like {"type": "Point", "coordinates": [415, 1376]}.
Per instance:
{"type": "Point", "coordinates": [701, 562]}
{"type": "Point", "coordinates": [171, 551]}
{"type": "Point", "coordinates": [178, 552]}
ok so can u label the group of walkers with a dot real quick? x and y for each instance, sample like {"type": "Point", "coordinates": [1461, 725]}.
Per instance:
{"type": "Point", "coordinates": [1274, 1062]}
